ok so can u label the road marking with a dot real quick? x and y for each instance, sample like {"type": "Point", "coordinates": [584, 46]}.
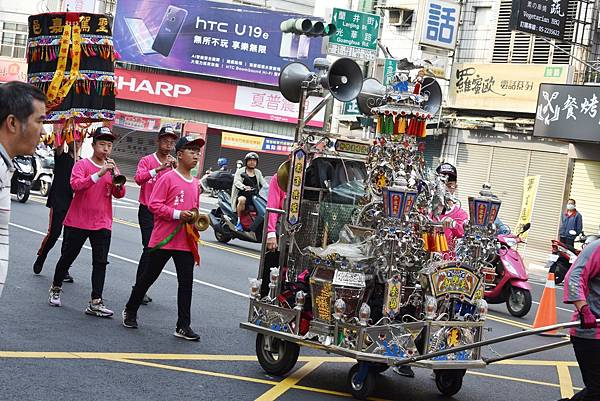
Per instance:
{"type": "Point", "coordinates": [289, 382]}
{"type": "Point", "coordinates": [509, 322]}
{"type": "Point", "coordinates": [516, 379]}
{"type": "Point", "coordinates": [566, 384]}
{"type": "Point", "coordinates": [535, 362]}
{"type": "Point", "coordinates": [195, 371]}
{"type": "Point", "coordinates": [558, 307]}
{"type": "Point", "coordinates": [135, 262]}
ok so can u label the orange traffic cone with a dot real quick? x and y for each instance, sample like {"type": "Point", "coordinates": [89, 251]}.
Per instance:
{"type": "Point", "coordinates": [546, 313]}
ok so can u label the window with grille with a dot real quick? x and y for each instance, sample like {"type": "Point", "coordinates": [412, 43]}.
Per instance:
{"type": "Point", "coordinates": [13, 39]}
{"type": "Point", "coordinates": [518, 47]}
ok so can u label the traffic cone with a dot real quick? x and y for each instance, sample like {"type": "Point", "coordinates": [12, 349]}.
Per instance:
{"type": "Point", "coordinates": [546, 313]}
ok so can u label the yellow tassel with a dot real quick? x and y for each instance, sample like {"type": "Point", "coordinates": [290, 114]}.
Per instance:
{"type": "Point", "coordinates": [402, 125]}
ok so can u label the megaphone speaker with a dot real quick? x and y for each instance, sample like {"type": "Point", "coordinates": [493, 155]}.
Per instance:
{"type": "Point", "coordinates": [291, 78]}
{"type": "Point", "coordinates": [344, 79]}
{"type": "Point", "coordinates": [371, 95]}
{"type": "Point", "coordinates": [432, 89]}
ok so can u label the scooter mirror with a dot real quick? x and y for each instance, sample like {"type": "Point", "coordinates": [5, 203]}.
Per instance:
{"type": "Point", "coordinates": [526, 227]}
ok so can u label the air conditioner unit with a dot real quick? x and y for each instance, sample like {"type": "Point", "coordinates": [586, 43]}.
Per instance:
{"type": "Point", "coordinates": [400, 17]}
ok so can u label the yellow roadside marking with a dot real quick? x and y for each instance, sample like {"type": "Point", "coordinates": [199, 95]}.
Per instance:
{"type": "Point", "coordinates": [516, 379]}
{"type": "Point", "coordinates": [290, 381]}
{"type": "Point", "coordinates": [566, 384]}
{"type": "Point", "coordinates": [332, 392]}
{"type": "Point", "coordinates": [535, 362]}
{"type": "Point", "coordinates": [509, 322]}
{"type": "Point", "coordinates": [195, 371]}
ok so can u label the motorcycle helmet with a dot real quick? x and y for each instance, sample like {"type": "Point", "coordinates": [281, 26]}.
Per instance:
{"type": "Point", "coordinates": [448, 170]}
{"type": "Point", "coordinates": [250, 155]}
{"type": "Point", "coordinates": [222, 162]}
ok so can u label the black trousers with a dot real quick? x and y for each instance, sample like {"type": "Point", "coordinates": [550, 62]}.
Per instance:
{"type": "Point", "coordinates": [568, 241]}
{"type": "Point", "coordinates": [55, 226]}
{"type": "Point", "coordinates": [184, 265]}
{"type": "Point", "coordinates": [146, 220]}
{"type": "Point", "coordinates": [587, 352]}
{"type": "Point", "coordinates": [73, 241]}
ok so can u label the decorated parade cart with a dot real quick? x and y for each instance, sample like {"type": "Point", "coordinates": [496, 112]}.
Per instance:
{"type": "Point", "coordinates": [363, 267]}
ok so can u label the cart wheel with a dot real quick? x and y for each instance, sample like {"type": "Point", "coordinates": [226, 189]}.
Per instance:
{"type": "Point", "coordinates": [280, 359]}
{"type": "Point", "coordinates": [449, 382]}
{"type": "Point", "coordinates": [358, 389]}
{"type": "Point", "coordinates": [379, 367]}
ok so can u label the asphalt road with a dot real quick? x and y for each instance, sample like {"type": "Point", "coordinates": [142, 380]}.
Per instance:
{"type": "Point", "coordinates": [61, 353]}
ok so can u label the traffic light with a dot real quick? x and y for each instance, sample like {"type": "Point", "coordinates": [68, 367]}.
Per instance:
{"type": "Point", "coordinates": [304, 26]}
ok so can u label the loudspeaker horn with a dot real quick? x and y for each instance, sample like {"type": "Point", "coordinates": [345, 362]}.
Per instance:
{"type": "Point", "coordinates": [432, 89]}
{"type": "Point", "coordinates": [343, 80]}
{"type": "Point", "coordinates": [291, 78]}
{"type": "Point", "coordinates": [372, 95]}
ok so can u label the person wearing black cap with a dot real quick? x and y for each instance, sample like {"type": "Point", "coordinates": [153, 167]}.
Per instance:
{"type": "Point", "coordinates": [452, 216]}
{"type": "Point", "coordinates": [59, 200]}
{"type": "Point", "coordinates": [174, 203]}
{"type": "Point", "coordinates": [90, 216]}
{"type": "Point", "coordinates": [149, 170]}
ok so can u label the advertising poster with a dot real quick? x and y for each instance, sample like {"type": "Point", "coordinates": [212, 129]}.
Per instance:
{"type": "Point", "coordinates": [209, 38]}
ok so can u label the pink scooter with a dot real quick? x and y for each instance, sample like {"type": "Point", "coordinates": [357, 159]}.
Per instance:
{"type": "Point", "coordinates": [510, 284]}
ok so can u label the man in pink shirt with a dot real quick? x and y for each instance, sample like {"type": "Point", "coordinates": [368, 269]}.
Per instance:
{"type": "Point", "coordinates": [90, 216]}
{"type": "Point", "coordinates": [173, 199]}
{"type": "Point", "coordinates": [149, 170]}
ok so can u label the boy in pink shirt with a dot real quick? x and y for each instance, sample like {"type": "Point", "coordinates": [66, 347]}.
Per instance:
{"type": "Point", "coordinates": [175, 195]}
{"type": "Point", "coordinates": [90, 216]}
{"type": "Point", "coordinates": [149, 170]}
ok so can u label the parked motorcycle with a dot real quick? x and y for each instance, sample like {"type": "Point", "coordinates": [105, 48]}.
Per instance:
{"type": "Point", "coordinates": [44, 163]}
{"type": "Point", "coordinates": [23, 176]}
{"type": "Point", "coordinates": [510, 284]}
{"type": "Point", "coordinates": [563, 255]}
{"type": "Point", "coordinates": [222, 218]}
{"type": "Point", "coordinates": [213, 182]}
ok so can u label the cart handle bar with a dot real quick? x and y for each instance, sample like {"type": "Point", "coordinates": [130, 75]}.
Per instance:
{"type": "Point", "coordinates": [276, 211]}
{"type": "Point", "coordinates": [527, 351]}
{"type": "Point", "coordinates": [491, 341]}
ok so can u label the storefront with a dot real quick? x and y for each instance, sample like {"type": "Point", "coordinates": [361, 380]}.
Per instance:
{"type": "Point", "coordinates": [491, 142]}
{"type": "Point", "coordinates": [585, 184]}
{"type": "Point", "coordinates": [253, 119]}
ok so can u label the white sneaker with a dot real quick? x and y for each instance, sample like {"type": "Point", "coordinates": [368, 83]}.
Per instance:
{"type": "Point", "coordinates": [96, 308]}
{"type": "Point", "coordinates": [54, 297]}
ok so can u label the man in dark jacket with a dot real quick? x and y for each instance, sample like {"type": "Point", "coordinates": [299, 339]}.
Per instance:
{"type": "Point", "coordinates": [59, 200]}
{"type": "Point", "coordinates": [571, 224]}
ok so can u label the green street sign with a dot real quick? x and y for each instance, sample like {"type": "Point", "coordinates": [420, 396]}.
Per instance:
{"type": "Point", "coordinates": [351, 108]}
{"type": "Point", "coordinates": [389, 69]}
{"type": "Point", "coordinates": [356, 34]}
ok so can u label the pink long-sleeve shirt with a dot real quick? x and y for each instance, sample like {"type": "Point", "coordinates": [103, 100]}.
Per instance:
{"type": "Point", "coordinates": [582, 283]}
{"type": "Point", "coordinates": [146, 176]}
{"type": "Point", "coordinates": [171, 195]}
{"type": "Point", "coordinates": [274, 200]}
{"type": "Point", "coordinates": [459, 216]}
{"type": "Point", "coordinates": [91, 208]}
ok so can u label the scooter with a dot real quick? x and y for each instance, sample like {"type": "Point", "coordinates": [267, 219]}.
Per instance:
{"type": "Point", "coordinates": [222, 218]}
{"type": "Point", "coordinates": [563, 255]}
{"type": "Point", "coordinates": [510, 283]}
{"type": "Point", "coordinates": [44, 161]}
{"type": "Point", "coordinates": [22, 178]}
{"type": "Point", "coordinates": [215, 181]}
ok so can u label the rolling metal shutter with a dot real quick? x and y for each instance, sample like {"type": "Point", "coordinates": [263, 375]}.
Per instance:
{"type": "Point", "coordinates": [585, 189]}
{"type": "Point", "coordinates": [505, 169]}
{"type": "Point", "coordinates": [552, 169]}
{"type": "Point", "coordinates": [509, 167]}
{"type": "Point", "coordinates": [433, 150]}
{"type": "Point", "coordinates": [472, 164]}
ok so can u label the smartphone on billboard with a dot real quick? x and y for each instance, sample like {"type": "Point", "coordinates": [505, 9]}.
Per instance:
{"type": "Point", "coordinates": [170, 26]}
{"type": "Point", "coordinates": [140, 33]}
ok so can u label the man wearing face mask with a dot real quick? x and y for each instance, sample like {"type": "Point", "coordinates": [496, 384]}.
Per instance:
{"type": "Point", "coordinates": [571, 224]}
